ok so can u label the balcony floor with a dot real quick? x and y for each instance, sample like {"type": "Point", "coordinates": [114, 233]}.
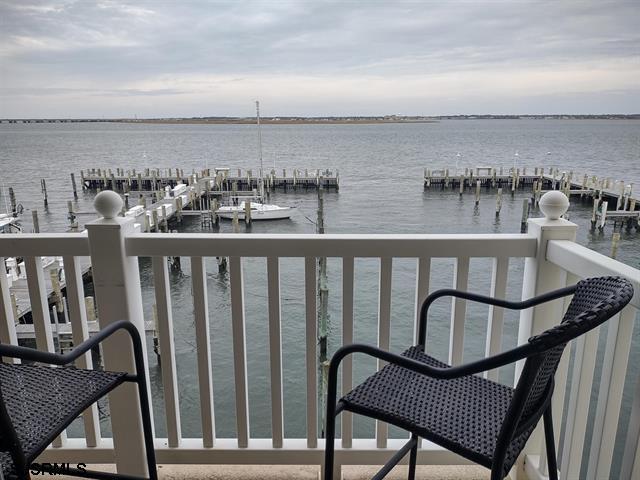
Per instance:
{"type": "Point", "coordinates": [294, 472]}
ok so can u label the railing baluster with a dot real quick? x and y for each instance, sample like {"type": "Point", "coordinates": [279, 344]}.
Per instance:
{"type": "Point", "coordinates": [458, 312]}
{"type": "Point", "coordinates": [239, 350]}
{"type": "Point", "coordinates": [311, 354]}
{"type": "Point", "coordinates": [579, 400]}
{"type": "Point", "coordinates": [275, 350]}
{"type": "Point", "coordinates": [631, 457]}
{"type": "Point", "coordinates": [40, 313]}
{"type": "Point", "coordinates": [423, 273]}
{"type": "Point", "coordinates": [167, 350]}
{"type": "Point", "coordinates": [496, 314]}
{"type": "Point", "coordinates": [347, 338]}
{"type": "Point", "coordinates": [384, 331]}
{"type": "Point", "coordinates": [203, 348]}
{"type": "Point", "coordinates": [7, 320]}
{"type": "Point", "coordinates": [80, 333]}
{"type": "Point", "coordinates": [614, 368]}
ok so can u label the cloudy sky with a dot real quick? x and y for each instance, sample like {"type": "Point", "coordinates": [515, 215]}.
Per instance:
{"type": "Point", "coordinates": [102, 58]}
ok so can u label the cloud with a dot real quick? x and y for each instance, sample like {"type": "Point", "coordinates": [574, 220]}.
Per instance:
{"type": "Point", "coordinates": [224, 54]}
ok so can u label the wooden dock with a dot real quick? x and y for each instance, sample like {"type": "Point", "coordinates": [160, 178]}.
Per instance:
{"type": "Point", "coordinates": [613, 200]}
{"type": "Point", "coordinates": [218, 179]}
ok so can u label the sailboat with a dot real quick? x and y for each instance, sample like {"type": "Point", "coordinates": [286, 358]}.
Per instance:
{"type": "Point", "coordinates": [259, 209]}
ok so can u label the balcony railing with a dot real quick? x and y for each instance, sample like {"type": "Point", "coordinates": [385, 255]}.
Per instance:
{"type": "Point", "coordinates": [552, 260]}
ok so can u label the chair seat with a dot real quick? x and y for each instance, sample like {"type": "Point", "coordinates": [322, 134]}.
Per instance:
{"type": "Point", "coordinates": [42, 401]}
{"type": "Point", "coordinates": [463, 415]}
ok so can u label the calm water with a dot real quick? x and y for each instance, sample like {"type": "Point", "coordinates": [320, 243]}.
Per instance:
{"type": "Point", "coordinates": [381, 192]}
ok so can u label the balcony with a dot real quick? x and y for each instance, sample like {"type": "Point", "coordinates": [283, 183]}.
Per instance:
{"type": "Point", "coordinates": [551, 260]}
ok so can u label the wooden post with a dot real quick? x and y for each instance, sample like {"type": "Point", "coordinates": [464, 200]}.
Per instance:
{"type": "Point", "coordinates": [247, 213]}
{"type": "Point", "coordinates": [603, 214]}
{"type": "Point", "coordinates": [154, 215]}
{"type": "Point", "coordinates": [214, 211]}
{"type": "Point", "coordinates": [461, 184]}
{"type": "Point", "coordinates": [525, 215]}
{"type": "Point", "coordinates": [165, 220]}
{"type": "Point", "coordinates": [499, 202]}
{"type": "Point", "coordinates": [594, 214]}
{"type": "Point", "coordinates": [126, 201]}
{"type": "Point", "coordinates": [43, 182]}
{"type": "Point", "coordinates": [234, 222]}
{"type": "Point", "coordinates": [478, 184]}
{"type": "Point", "coordinates": [36, 224]}
{"type": "Point", "coordinates": [615, 240]}
{"type": "Point", "coordinates": [73, 185]}
{"type": "Point", "coordinates": [71, 215]}
{"type": "Point", "coordinates": [12, 200]}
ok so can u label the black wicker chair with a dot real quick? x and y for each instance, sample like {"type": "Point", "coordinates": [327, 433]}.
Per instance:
{"type": "Point", "coordinates": [38, 402]}
{"type": "Point", "coordinates": [481, 420]}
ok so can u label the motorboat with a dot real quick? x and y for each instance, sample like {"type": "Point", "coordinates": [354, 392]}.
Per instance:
{"type": "Point", "coordinates": [259, 211]}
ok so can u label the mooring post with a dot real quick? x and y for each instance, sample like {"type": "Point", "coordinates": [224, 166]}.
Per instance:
{"type": "Point", "coordinates": [525, 215]}
{"type": "Point", "coordinates": [71, 215]}
{"type": "Point", "coordinates": [12, 200]}
{"type": "Point", "coordinates": [43, 183]}
{"type": "Point", "coordinates": [247, 213]}
{"type": "Point", "coordinates": [234, 222]}
{"type": "Point", "coordinates": [478, 184]}
{"type": "Point", "coordinates": [499, 202]}
{"type": "Point", "coordinates": [461, 190]}
{"type": "Point", "coordinates": [603, 214]}
{"type": "Point", "coordinates": [165, 220]}
{"type": "Point", "coordinates": [615, 240]}
{"type": "Point", "coordinates": [214, 211]}
{"type": "Point", "coordinates": [126, 201]}
{"type": "Point", "coordinates": [156, 222]}
{"type": "Point", "coordinates": [73, 185]}
{"type": "Point", "coordinates": [594, 214]}
{"type": "Point", "coordinates": [36, 224]}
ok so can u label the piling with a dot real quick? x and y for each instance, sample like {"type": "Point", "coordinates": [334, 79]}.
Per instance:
{"type": "Point", "coordinates": [234, 222]}
{"type": "Point", "coordinates": [165, 221]}
{"type": "Point", "coordinates": [461, 184]}
{"type": "Point", "coordinates": [126, 201]}
{"type": "Point", "coordinates": [499, 202]}
{"type": "Point", "coordinates": [214, 212]}
{"type": "Point", "coordinates": [73, 185]}
{"type": "Point", "coordinates": [12, 200]}
{"type": "Point", "coordinates": [71, 216]}
{"type": "Point", "coordinates": [603, 214]}
{"type": "Point", "coordinates": [478, 184]}
{"type": "Point", "coordinates": [525, 215]}
{"type": "Point", "coordinates": [43, 184]}
{"type": "Point", "coordinates": [615, 240]}
{"type": "Point", "coordinates": [247, 213]}
{"type": "Point", "coordinates": [36, 224]}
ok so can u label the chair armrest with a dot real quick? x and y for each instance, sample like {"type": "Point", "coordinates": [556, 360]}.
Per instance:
{"type": "Point", "coordinates": [448, 292]}
{"type": "Point", "coordinates": [34, 355]}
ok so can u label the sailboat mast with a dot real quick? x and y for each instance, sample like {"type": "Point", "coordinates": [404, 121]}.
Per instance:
{"type": "Point", "coordinates": [260, 148]}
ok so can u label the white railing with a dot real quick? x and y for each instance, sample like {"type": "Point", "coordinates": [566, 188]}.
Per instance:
{"type": "Point", "coordinates": [552, 260]}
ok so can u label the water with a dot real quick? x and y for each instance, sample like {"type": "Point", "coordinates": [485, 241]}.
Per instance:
{"type": "Point", "coordinates": [380, 192]}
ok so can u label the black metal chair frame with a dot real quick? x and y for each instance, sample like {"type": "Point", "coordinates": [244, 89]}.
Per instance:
{"type": "Point", "coordinates": [23, 353]}
{"type": "Point", "coordinates": [532, 352]}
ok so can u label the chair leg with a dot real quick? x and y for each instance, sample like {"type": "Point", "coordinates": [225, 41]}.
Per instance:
{"type": "Point", "coordinates": [330, 434]}
{"type": "Point", "coordinates": [147, 428]}
{"type": "Point", "coordinates": [550, 443]}
{"type": "Point", "coordinates": [412, 458]}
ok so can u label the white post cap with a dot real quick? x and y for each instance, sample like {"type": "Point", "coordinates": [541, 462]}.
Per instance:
{"type": "Point", "coordinates": [554, 204]}
{"type": "Point", "coordinates": [108, 204]}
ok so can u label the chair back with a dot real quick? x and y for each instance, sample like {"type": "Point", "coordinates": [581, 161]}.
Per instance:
{"type": "Point", "coordinates": [9, 442]}
{"type": "Point", "coordinates": [595, 301]}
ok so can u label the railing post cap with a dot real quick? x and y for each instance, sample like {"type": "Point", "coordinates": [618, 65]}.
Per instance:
{"type": "Point", "coordinates": [554, 204]}
{"type": "Point", "coordinates": [108, 204]}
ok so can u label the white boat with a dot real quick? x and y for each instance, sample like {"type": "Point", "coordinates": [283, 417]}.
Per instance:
{"type": "Point", "coordinates": [8, 224]}
{"type": "Point", "coordinates": [259, 211]}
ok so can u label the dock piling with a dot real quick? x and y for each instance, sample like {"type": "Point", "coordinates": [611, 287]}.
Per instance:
{"type": "Point", "coordinates": [36, 224]}
{"type": "Point", "coordinates": [73, 185]}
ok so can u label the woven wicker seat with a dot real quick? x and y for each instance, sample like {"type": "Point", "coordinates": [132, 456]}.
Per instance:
{"type": "Point", "coordinates": [42, 401]}
{"type": "Point", "coordinates": [38, 402]}
{"type": "Point", "coordinates": [463, 414]}
{"type": "Point", "coordinates": [454, 407]}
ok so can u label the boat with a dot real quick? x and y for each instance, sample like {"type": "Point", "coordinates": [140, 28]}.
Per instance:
{"type": "Point", "coordinates": [259, 209]}
{"type": "Point", "coordinates": [8, 224]}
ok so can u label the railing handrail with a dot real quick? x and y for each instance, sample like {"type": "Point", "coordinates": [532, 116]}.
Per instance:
{"type": "Point", "coordinates": [584, 262]}
{"type": "Point", "coordinates": [332, 245]}
{"type": "Point", "coordinates": [44, 244]}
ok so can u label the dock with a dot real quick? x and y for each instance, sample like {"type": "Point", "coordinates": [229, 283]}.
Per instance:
{"type": "Point", "coordinates": [612, 200]}
{"type": "Point", "coordinates": [219, 179]}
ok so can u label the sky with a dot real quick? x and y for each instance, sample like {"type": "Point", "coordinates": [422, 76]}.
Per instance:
{"type": "Point", "coordinates": [185, 58]}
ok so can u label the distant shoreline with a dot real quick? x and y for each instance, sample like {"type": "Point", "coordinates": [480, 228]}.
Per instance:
{"type": "Point", "coordinates": [319, 120]}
